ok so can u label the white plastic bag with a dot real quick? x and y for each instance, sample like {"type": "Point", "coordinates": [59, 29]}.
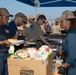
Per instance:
{"type": "Point", "coordinates": [11, 49]}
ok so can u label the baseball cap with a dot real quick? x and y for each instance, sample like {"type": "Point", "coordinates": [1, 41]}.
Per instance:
{"type": "Point", "coordinates": [39, 15]}
{"type": "Point", "coordinates": [22, 15]}
{"type": "Point", "coordinates": [5, 12]}
{"type": "Point", "coordinates": [67, 15]}
{"type": "Point", "coordinates": [31, 17]}
{"type": "Point", "coordinates": [57, 20]}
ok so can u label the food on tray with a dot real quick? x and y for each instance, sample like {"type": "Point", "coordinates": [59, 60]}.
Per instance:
{"type": "Point", "coordinates": [23, 54]}
{"type": "Point", "coordinates": [16, 42]}
{"type": "Point", "coordinates": [12, 40]}
{"type": "Point", "coordinates": [32, 53]}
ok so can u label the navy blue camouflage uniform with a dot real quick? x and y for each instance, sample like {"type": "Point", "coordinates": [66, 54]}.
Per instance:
{"type": "Point", "coordinates": [4, 35]}
{"type": "Point", "coordinates": [69, 47]}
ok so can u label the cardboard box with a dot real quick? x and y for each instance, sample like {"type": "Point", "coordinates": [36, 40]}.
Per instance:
{"type": "Point", "coordinates": [30, 67]}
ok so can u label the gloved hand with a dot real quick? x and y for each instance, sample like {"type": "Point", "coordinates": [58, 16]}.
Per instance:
{"type": "Point", "coordinates": [62, 70]}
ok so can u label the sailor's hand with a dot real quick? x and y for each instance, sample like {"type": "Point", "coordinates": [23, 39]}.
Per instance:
{"type": "Point", "coordinates": [62, 70]}
{"type": "Point", "coordinates": [6, 42]}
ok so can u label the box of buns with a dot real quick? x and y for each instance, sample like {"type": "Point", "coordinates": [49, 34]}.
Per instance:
{"type": "Point", "coordinates": [29, 66]}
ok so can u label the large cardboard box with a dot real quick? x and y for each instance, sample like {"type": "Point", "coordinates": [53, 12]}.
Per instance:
{"type": "Point", "coordinates": [30, 67]}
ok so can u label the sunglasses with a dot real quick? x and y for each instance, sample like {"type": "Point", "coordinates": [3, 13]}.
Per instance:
{"type": "Point", "coordinates": [33, 19]}
{"type": "Point", "coordinates": [25, 22]}
{"type": "Point", "coordinates": [20, 23]}
{"type": "Point", "coordinates": [43, 21]}
{"type": "Point", "coordinates": [6, 17]}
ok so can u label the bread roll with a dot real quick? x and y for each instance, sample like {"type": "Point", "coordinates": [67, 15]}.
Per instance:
{"type": "Point", "coordinates": [12, 40]}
